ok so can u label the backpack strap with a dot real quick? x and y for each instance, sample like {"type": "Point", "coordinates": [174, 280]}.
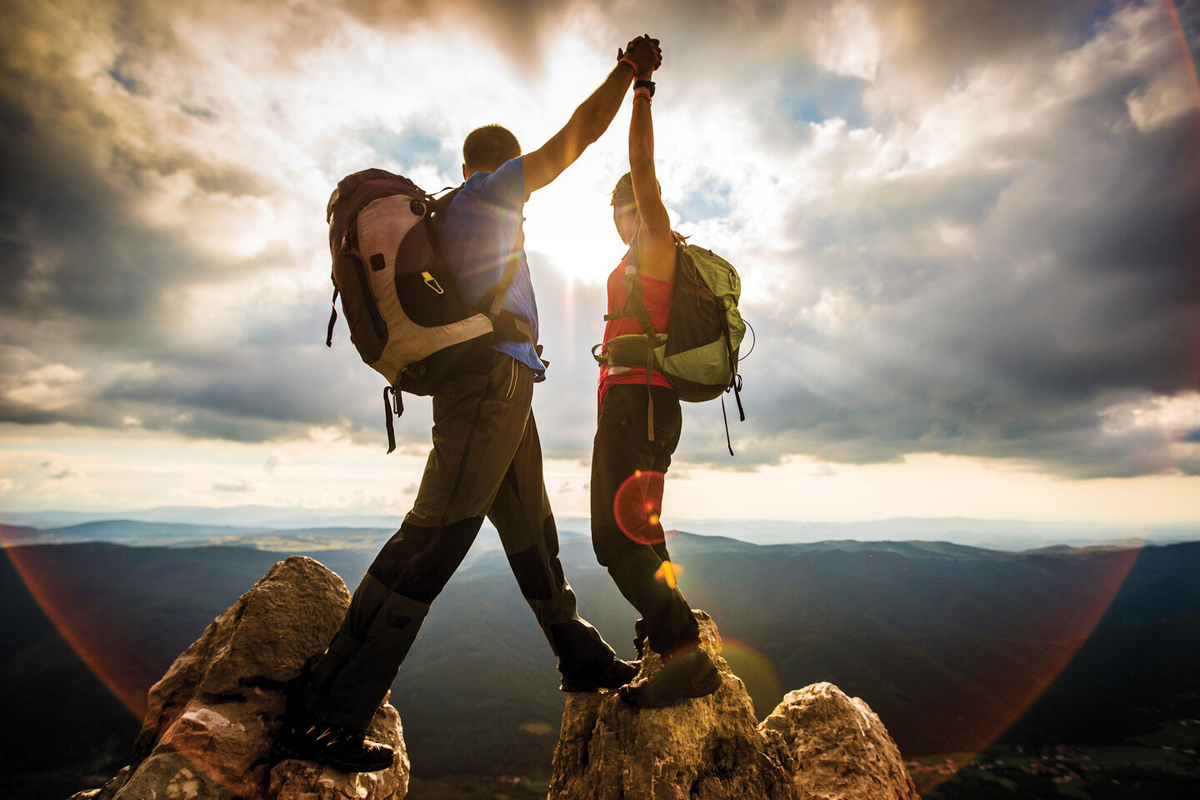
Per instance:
{"type": "Point", "coordinates": [494, 299]}
{"type": "Point", "coordinates": [332, 317]}
{"type": "Point", "coordinates": [736, 385]}
{"type": "Point", "coordinates": [635, 306]}
{"type": "Point", "coordinates": [394, 408]}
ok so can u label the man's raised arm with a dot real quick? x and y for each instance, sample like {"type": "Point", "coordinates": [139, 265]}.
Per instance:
{"type": "Point", "coordinates": [593, 116]}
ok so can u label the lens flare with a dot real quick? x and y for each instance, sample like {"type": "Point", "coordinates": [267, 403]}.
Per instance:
{"type": "Point", "coordinates": [637, 507]}
{"type": "Point", "coordinates": [1070, 619]}
{"type": "Point", "coordinates": [669, 573]}
{"type": "Point", "coordinates": [65, 603]}
{"type": "Point", "coordinates": [758, 672]}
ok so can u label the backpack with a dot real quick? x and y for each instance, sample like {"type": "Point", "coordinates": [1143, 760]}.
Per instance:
{"type": "Point", "coordinates": [406, 317]}
{"type": "Point", "coordinates": [698, 353]}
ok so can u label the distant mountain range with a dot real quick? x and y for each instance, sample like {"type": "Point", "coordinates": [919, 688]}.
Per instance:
{"type": "Point", "coordinates": [953, 646]}
{"type": "Point", "coordinates": [1014, 535]}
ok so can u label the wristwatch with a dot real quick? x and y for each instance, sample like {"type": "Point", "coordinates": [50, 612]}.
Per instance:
{"type": "Point", "coordinates": [644, 85]}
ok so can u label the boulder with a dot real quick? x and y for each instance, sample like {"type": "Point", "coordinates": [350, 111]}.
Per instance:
{"type": "Point", "coordinates": [817, 745]}
{"type": "Point", "coordinates": [212, 718]}
{"type": "Point", "coordinates": [840, 748]}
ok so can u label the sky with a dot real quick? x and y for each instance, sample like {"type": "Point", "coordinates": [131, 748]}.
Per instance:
{"type": "Point", "coordinates": [967, 234]}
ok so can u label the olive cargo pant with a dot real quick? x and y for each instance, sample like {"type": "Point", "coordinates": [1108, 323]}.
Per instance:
{"type": "Point", "coordinates": [486, 460]}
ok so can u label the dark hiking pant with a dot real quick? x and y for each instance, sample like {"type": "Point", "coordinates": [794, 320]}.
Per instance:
{"type": "Point", "coordinates": [622, 448]}
{"type": "Point", "coordinates": [486, 460]}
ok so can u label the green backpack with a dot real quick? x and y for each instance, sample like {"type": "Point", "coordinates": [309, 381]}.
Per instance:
{"type": "Point", "coordinates": [698, 353]}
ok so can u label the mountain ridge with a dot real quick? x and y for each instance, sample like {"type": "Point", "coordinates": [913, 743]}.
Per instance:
{"type": "Point", "coordinates": [939, 646]}
{"type": "Point", "coordinates": [1015, 535]}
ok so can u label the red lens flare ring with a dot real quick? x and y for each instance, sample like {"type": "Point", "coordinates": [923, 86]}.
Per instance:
{"type": "Point", "coordinates": [637, 507]}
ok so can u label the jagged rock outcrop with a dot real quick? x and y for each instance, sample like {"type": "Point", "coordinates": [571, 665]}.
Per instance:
{"type": "Point", "coordinates": [839, 747]}
{"type": "Point", "coordinates": [818, 744]}
{"type": "Point", "coordinates": [212, 718]}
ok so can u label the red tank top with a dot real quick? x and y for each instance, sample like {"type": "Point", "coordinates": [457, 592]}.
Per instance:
{"type": "Point", "coordinates": [657, 295]}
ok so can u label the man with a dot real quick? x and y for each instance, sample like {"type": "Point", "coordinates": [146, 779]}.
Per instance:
{"type": "Point", "coordinates": [486, 460]}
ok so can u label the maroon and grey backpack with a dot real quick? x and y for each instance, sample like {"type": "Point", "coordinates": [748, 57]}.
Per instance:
{"type": "Point", "coordinates": [406, 317]}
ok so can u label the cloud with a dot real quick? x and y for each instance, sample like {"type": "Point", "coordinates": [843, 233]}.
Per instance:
{"type": "Point", "coordinates": [239, 486]}
{"type": "Point", "coordinates": [963, 228]}
{"type": "Point", "coordinates": [991, 284]}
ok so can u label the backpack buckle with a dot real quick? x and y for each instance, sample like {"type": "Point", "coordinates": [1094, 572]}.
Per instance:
{"type": "Point", "coordinates": [432, 283]}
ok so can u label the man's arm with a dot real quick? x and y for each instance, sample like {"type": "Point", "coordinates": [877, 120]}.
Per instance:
{"type": "Point", "coordinates": [591, 119]}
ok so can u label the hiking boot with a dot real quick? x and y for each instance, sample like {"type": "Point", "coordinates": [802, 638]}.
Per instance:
{"type": "Point", "coordinates": [639, 637]}
{"type": "Point", "coordinates": [333, 745]}
{"type": "Point", "coordinates": [688, 675]}
{"type": "Point", "coordinates": [615, 674]}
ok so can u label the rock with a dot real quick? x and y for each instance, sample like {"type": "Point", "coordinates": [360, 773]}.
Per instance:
{"type": "Point", "coordinates": [840, 747]}
{"type": "Point", "coordinates": [708, 748]}
{"type": "Point", "coordinates": [817, 745]}
{"type": "Point", "coordinates": [212, 718]}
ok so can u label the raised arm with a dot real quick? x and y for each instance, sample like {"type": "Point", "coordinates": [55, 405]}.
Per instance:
{"type": "Point", "coordinates": [655, 241]}
{"type": "Point", "coordinates": [593, 116]}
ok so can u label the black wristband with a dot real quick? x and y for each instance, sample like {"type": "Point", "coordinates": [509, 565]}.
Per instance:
{"type": "Point", "coordinates": [644, 85]}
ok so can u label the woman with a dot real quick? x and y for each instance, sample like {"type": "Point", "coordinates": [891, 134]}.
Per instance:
{"type": "Point", "coordinates": [638, 429]}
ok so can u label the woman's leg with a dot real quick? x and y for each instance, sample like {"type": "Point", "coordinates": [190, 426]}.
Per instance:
{"type": "Point", "coordinates": [632, 548]}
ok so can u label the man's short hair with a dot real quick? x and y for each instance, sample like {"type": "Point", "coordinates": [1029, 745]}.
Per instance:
{"type": "Point", "coordinates": [486, 148]}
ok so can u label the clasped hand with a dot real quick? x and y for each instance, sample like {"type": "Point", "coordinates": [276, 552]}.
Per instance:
{"type": "Point", "coordinates": [644, 52]}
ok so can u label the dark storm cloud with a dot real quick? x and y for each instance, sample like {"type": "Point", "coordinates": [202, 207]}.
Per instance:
{"type": "Point", "coordinates": [1082, 294]}
{"type": "Point", "coordinates": [950, 37]}
{"type": "Point", "coordinates": [91, 289]}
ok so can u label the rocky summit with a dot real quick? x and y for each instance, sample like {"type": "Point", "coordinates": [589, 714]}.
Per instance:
{"type": "Point", "coordinates": [213, 717]}
{"type": "Point", "coordinates": [818, 744]}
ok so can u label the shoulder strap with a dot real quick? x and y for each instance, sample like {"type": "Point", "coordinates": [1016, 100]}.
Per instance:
{"type": "Point", "coordinates": [492, 301]}
{"type": "Point", "coordinates": [635, 306]}
{"type": "Point", "coordinates": [635, 302]}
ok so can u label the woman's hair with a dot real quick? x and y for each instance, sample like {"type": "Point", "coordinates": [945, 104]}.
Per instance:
{"type": "Point", "coordinates": [622, 194]}
{"type": "Point", "coordinates": [624, 201]}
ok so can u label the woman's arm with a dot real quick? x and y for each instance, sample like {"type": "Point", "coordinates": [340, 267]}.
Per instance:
{"type": "Point", "coordinates": [656, 242]}
{"type": "Point", "coordinates": [592, 118]}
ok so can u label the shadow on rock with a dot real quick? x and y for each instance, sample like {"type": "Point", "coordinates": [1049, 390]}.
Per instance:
{"type": "Point", "coordinates": [213, 716]}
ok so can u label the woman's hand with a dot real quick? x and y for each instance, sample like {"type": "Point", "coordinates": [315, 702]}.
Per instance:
{"type": "Point", "coordinates": [645, 53]}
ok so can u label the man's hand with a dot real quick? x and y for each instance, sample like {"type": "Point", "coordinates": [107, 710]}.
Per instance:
{"type": "Point", "coordinates": [644, 52]}
{"type": "Point", "coordinates": [592, 118]}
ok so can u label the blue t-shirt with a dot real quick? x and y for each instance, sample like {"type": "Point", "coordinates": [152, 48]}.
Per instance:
{"type": "Point", "coordinates": [481, 230]}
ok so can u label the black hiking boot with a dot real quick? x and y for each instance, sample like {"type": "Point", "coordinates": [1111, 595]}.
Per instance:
{"type": "Point", "coordinates": [615, 674]}
{"type": "Point", "coordinates": [333, 745]}
{"type": "Point", "coordinates": [306, 738]}
{"type": "Point", "coordinates": [639, 637]}
{"type": "Point", "coordinates": [687, 675]}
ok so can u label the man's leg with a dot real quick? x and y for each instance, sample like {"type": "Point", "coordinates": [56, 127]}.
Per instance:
{"type": "Point", "coordinates": [521, 513]}
{"type": "Point", "coordinates": [478, 423]}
